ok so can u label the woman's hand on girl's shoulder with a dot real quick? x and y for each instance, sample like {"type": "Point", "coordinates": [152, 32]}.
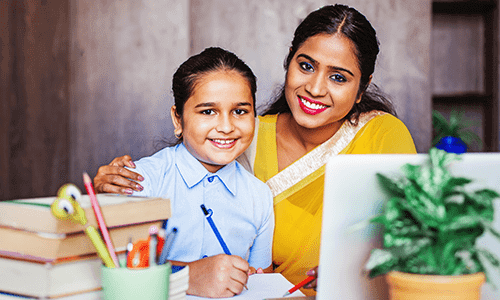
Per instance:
{"type": "Point", "coordinates": [218, 276]}
{"type": "Point", "coordinates": [115, 178]}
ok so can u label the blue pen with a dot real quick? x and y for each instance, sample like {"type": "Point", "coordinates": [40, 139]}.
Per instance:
{"type": "Point", "coordinates": [208, 214]}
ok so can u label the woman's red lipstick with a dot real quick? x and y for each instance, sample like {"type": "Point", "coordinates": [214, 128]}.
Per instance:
{"type": "Point", "coordinates": [309, 110]}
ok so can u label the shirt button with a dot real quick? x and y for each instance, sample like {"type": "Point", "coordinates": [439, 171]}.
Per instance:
{"type": "Point", "coordinates": [210, 179]}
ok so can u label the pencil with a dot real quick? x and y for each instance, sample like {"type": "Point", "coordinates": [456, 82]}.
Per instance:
{"type": "Point", "coordinates": [100, 218]}
{"type": "Point", "coordinates": [300, 285]}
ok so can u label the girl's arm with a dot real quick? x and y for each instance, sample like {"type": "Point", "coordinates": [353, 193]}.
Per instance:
{"type": "Point", "coordinates": [115, 178]}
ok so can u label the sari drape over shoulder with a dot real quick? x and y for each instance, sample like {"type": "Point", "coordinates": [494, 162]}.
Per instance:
{"type": "Point", "coordinates": [298, 189]}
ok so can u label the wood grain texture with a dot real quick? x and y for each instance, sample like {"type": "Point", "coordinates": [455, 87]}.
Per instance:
{"type": "Point", "coordinates": [35, 76]}
{"type": "Point", "coordinates": [123, 56]}
{"type": "Point", "coordinates": [5, 84]}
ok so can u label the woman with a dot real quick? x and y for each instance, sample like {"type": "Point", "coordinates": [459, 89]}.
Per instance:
{"type": "Point", "coordinates": [325, 108]}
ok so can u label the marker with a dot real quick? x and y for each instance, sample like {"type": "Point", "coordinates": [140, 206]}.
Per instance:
{"type": "Point", "coordinates": [169, 240]}
{"type": "Point", "coordinates": [300, 285]}
{"type": "Point", "coordinates": [153, 243]}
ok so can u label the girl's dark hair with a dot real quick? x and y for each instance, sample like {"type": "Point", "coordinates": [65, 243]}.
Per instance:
{"type": "Point", "coordinates": [352, 24]}
{"type": "Point", "coordinates": [209, 60]}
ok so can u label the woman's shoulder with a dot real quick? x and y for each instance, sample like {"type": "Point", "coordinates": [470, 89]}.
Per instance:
{"type": "Point", "coordinates": [381, 133]}
{"type": "Point", "coordinates": [380, 120]}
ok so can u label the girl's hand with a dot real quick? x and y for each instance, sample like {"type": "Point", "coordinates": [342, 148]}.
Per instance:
{"type": "Point", "coordinates": [312, 284]}
{"type": "Point", "coordinates": [217, 276]}
{"type": "Point", "coordinates": [114, 178]}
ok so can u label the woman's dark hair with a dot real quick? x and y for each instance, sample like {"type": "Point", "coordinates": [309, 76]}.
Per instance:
{"type": "Point", "coordinates": [209, 60]}
{"type": "Point", "coordinates": [333, 19]}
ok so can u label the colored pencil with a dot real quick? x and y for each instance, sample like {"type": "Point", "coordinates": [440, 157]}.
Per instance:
{"type": "Point", "coordinates": [100, 218]}
{"type": "Point", "coordinates": [300, 285]}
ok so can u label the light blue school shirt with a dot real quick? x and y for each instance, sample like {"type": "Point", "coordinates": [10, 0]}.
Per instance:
{"type": "Point", "coordinates": [242, 206]}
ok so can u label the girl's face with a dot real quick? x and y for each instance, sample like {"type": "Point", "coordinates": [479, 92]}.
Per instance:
{"type": "Point", "coordinates": [218, 119]}
{"type": "Point", "coordinates": [322, 81]}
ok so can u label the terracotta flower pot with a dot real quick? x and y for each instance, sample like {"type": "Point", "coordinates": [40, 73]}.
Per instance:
{"type": "Point", "coordinates": [433, 287]}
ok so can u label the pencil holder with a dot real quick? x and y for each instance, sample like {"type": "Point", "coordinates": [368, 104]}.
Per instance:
{"type": "Point", "coordinates": [131, 284]}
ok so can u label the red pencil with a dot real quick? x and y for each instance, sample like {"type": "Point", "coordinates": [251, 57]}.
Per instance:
{"type": "Point", "coordinates": [100, 218]}
{"type": "Point", "coordinates": [299, 285]}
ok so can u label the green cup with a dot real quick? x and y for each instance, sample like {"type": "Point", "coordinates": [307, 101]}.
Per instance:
{"type": "Point", "coordinates": [148, 283]}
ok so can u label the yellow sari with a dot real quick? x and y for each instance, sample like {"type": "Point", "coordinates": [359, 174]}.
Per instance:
{"type": "Point", "coordinates": [298, 189]}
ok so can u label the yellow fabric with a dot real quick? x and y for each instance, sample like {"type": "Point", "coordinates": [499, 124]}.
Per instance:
{"type": "Point", "coordinates": [298, 210]}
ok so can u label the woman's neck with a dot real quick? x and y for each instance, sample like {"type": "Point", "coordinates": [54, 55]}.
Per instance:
{"type": "Point", "coordinates": [294, 141]}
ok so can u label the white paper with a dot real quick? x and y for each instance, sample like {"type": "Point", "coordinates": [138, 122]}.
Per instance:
{"type": "Point", "coordinates": [263, 286]}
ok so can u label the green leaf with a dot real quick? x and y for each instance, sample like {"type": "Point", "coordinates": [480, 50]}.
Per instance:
{"type": "Point", "coordinates": [457, 126]}
{"type": "Point", "coordinates": [463, 222]}
{"type": "Point", "coordinates": [380, 262]}
{"type": "Point", "coordinates": [490, 257]}
{"type": "Point", "coordinates": [391, 185]}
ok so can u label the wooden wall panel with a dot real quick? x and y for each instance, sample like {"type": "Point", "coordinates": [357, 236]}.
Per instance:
{"type": "Point", "coordinates": [35, 78]}
{"type": "Point", "coordinates": [457, 54]}
{"type": "Point", "coordinates": [260, 32]}
{"type": "Point", "coordinates": [123, 56]}
{"type": "Point", "coordinates": [5, 70]}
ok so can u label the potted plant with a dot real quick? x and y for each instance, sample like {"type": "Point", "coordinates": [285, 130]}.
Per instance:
{"type": "Point", "coordinates": [453, 135]}
{"type": "Point", "coordinates": [431, 224]}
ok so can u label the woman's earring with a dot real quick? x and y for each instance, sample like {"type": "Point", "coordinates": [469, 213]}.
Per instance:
{"type": "Point", "coordinates": [178, 136]}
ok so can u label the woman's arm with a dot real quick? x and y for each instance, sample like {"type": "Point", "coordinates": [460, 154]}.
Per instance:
{"type": "Point", "coordinates": [115, 178]}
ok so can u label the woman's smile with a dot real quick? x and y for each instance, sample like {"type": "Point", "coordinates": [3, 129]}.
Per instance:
{"type": "Point", "coordinates": [310, 106]}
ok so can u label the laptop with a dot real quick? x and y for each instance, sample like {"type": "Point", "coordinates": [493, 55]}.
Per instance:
{"type": "Point", "coordinates": [353, 194]}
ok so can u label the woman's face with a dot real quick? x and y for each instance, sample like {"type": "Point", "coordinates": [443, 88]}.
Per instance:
{"type": "Point", "coordinates": [322, 81]}
{"type": "Point", "coordinates": [218, 119]}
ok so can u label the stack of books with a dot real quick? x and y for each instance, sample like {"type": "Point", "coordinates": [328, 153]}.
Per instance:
{"type": "Point", "coordinates": [44, 257]}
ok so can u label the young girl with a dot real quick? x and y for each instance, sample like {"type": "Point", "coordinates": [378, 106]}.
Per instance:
{"type": "Point", "coordinates": [213, 117]}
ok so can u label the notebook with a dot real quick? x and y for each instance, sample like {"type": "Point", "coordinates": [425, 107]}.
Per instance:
{"type": "Point", "coordinates": [352, 194]}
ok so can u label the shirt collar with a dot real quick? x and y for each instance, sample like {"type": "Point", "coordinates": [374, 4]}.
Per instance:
{"type": "Point", "coordinates": [193, 172]}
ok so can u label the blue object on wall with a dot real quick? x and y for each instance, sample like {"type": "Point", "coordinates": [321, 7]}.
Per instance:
{"type": "Point", "coordinates": [452, 144]}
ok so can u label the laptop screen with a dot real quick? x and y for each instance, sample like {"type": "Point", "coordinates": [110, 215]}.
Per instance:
{"type": "Point", "coordinates": [353, 195]}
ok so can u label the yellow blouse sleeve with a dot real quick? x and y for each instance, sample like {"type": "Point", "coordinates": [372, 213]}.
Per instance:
{"type": "Point", "coordinates": [383, 134]}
